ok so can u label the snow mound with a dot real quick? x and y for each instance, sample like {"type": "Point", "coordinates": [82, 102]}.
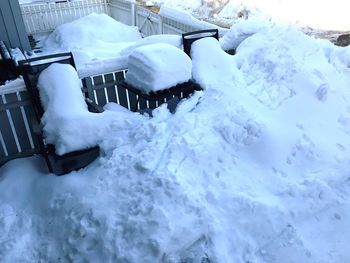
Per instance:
{"type": "Point", "coordinates": [276, 66]}
{"type": "Point", "coordinates": [86, 32]}
{"type": "Point", "coordinates": [66, 116]}
{"type": "Point", "coordinates": [158, 66]}
{"type": "Point", "coordinates": [92, 38]}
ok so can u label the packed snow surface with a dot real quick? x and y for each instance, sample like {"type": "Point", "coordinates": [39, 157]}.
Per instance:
{"type": "Point", "coordinates": [253, 169]}
{"type": "Point", "coordinates": [157, 67]}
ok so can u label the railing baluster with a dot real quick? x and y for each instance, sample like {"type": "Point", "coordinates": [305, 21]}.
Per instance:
{"type": "Point", "coordinates": [14, 133]}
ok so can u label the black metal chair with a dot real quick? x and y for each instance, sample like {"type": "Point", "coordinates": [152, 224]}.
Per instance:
{"type": "Point", "coordinates": [57, 164]}
{"type": "Point", "coordinates": [190, 37]}
{"type": "Point", "coordinates": [146, 102]}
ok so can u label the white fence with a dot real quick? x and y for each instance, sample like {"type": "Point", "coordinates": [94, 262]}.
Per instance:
{"type": "Point", "coordinates": [45, 17]}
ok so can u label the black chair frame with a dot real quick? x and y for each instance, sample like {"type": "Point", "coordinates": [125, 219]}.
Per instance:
{"type": "Point", "coordinates": [190, 37]}
{"type": "Point", "coordinates": [141, 101]}
{"type": "Point", "coordinates": [57, 164]}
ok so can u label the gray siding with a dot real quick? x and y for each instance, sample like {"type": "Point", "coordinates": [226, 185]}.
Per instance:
{"type": "Point", "coordinates": [12, 29]}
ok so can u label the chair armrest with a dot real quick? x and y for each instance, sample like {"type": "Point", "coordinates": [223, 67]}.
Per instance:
{"type": "Point", "coordinates": [93, 107]}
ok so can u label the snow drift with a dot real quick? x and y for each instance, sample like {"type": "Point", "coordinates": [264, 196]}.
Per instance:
{"type": "Point", "coordinates": [252, 169]}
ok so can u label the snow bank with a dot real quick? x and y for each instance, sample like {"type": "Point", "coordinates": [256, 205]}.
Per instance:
{"type": "Point", "coordinates": [252, 169]}
{"type": "Point", "coordinates": [158, 66]}
{"type": "Point", "coordinates": [241, 30]}
{"type": "Point", "coordinates": [67, 123]}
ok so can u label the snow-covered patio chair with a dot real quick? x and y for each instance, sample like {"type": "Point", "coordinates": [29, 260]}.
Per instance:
{"type": "Point", "coordinates": [158, 73]}
{"type": "Point", "coordinates": [57, 164]}
{"type": "Point", "coordinates": [190, 37]}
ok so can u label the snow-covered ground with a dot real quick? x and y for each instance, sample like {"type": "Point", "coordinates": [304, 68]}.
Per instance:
{"type": "Point", "coordinates": [253, 169]}
{"type": "Point", "coordinates": [325, 15]}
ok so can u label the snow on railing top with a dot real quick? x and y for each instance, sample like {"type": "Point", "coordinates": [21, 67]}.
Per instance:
{"type": "Point", "coordinates": [12, 87]}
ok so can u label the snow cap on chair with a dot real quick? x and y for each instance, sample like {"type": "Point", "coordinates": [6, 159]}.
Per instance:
{"type": "Point", "coordinates": [158, 66]}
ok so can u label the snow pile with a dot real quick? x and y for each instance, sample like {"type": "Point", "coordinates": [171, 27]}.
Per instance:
{"type": "Point", "coordinates": [158, 66]}
{"type": "Point", "coordinates": [86, 32]}
{"type": "Point", "coordinates": [184, 17]}
{"type": "Point", "coordinates": [241, 30]}
{"type": "Point", "coordinates": [93, 37]}
{"type": "Point", "coordinates": [327, 15]}
{"type": "Point", "coordinates": [252, 169]}
{"type": "Point", "coordinates": [67, 123]}
{"type": "Point", "coordinates": [207, 64]}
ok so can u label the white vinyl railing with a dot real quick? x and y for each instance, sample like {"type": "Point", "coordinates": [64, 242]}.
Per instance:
{"type": "Point", "coordinates": [45, 17]}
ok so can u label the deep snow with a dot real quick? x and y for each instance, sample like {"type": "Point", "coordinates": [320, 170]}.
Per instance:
{"type": "Point", "coordinates": [253, 169]}
{"type": "Point", "coordinates": [326, 15]}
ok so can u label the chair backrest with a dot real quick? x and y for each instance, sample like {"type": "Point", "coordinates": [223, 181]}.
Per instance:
{"type": "Point", "coordinates": [190, 37]}
{"type": "Point", "coordinates": [31, 69]}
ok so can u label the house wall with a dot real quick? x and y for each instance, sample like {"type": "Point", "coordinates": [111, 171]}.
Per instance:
{"type": "Point", "coordinates": [12, 29]}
